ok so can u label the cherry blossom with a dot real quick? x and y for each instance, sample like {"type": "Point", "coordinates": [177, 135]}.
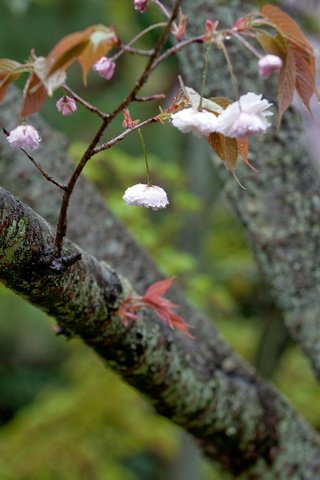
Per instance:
{"type": "Point", "coordinates": [191, 120]}
{"type": "Point", "coordinates": [269, 64]}
{"type": "Point", "coordinates": [66, 105]}
{"type": "Point", "coordinates": [105, 67]}
{"type": "Point", "coordinates": [24, 136]}
{"type": "Point", "coordinates": [149, 196]}
{"type": "Point", "coordinates": [245, 117]}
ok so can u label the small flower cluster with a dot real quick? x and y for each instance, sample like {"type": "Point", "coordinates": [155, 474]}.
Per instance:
{"type": "Point", "coordinates": [243, 118]}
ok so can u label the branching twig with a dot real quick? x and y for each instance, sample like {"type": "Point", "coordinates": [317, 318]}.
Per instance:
{"type": "Point", "coordinates": [90, 151]}
{"type": "Point", "coordinates": [38, 166]}
{"type": "Point", "coordinates": [123, 135]}
{"type": "Point", "coordinates": [83, 102]}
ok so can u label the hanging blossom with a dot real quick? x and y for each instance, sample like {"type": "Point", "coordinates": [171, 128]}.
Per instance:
{"type": "Point", "coordinates": [269, 64]}
{"type": "Point", "coordinates": [245, 117]}
{"type": "Point", "coordinates": [191, 120]}
{"type": "Point", "coordinates": [105, 67]}
{"type": "Point", "coordinates": [24, 136]}
{"type": "Point", "coordinates": [140, 5]}
{"type": "Point", "coordinates": [149, 196]}
{"type": "Point", "coordinates": [66, 105]}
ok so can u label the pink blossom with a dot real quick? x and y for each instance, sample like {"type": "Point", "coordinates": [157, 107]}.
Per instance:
{"type": "Point", "coordinates": [269, 64]}
{"type": "Point", "coordinates": [105, 67]}
{"type": "Point", "coordinates": [140, 5]}
{"type": "Point", "coordinates": [191, 120]}
{"type": "Point", "coordinates": [245, 117]}
{"type": "Point", "coordinates": [24, 136]}
{"type": "Point", "coordinates": [149, 196]}
{"type": "Point", "coordinates": [66, 105]}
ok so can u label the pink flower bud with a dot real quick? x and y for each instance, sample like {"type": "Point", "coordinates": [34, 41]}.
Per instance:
{"type": "Point", "coordinates": [105, 67]}
{"type": "Point", "coordinates": [269, 64]}
{"type": "Point", "coordinates": [24, 136]}
{"type": "Point", "coordinates": [241, 24]}
{"type": "Point", "coordinates": [140, 5]}
{"type": "Point", "coordinates": [149, 196]}
{"type": "Point", "coordinates": [66, 105]}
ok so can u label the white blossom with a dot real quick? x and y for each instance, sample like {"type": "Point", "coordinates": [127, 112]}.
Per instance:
{"type": "Point", "coordinates": [245, 117]}
{"type": "Point", "coordinates": [150, 196]}
{"type": "Point", "coordinates": [24, 136]}
{"type": "Point", "coordinates": [191, 120]}
{"type": "Point", "coordinates": [269, 64]}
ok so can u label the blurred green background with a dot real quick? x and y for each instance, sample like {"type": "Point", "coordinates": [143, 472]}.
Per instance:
{"type": "Point", "coordinates": [63, 415]}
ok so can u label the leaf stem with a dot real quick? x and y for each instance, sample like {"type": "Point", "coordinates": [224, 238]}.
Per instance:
{"type": "Point", "coordinates": [204, 75]}
{"type": "Point", "coordinates": [145, 156]}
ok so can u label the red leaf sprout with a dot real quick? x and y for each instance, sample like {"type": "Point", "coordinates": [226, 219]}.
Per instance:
{"type": "Point", "coordinates": [154, 299]}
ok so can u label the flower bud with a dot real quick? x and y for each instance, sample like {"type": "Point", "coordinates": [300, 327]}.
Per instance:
{"type": "Point", "coordinates": [105, 67]}
{"type": "Point", "coordinates": [66, 105]}
{"type": "Point", "coordinates": [149, 196]}
{"type": "Point", "coordinates": [24, 136]}
{"type": "Point", "coordinates": [269, 64]}
{"type": "Point", "coordinates": [140, 5]}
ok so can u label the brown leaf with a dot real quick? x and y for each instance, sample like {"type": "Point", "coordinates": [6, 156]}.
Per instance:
{"type": "Point", "coordinates": [34, 95]}
{"type": "Point", "coordinates": [287, 81]}
{"type": "Point", "coordinates": [305, 74]}
{"type": "Point", "coordinates": [285, 25]}
{"type": "Point", "coordinates": [243, 149]}
{"type": "Point", "coordinates": [274, 45]}
{"type": "Point", "coordinates": [10, 70]}
{"type": "Point", "coordinates": [5, 80]}
{"type": "Point", "coordinates": [222, 101]}
{"type": "Point", "coordinates": [226, 148]}
{"type": "Point", "coordinates": [68, 50]}
{"type": "Point", "coordinates": [102, 40]}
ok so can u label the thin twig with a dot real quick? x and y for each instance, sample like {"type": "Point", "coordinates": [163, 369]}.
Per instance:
{"type": "Point", "coordinates": [38, 166]}
{"type": "Point", "coordinates": [123, 135]}
{"type": "Point", "coordinates": [150, 98]}
{"type": "Point", "coordinates": [83, 102]}
{"type": "Point", "coordinates": [176, 48]}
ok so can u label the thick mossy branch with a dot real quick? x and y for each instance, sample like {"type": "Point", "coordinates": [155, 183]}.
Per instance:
{"type": "Point", "coordinates": [280, 207]}
{"type": "Point", "coordinates": [237, 419]}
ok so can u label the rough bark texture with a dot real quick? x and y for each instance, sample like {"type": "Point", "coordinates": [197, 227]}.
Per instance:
{"type": "Point", "coordinates": [280, 207]}
{"type": "Point", "coordinates": [200, 384]}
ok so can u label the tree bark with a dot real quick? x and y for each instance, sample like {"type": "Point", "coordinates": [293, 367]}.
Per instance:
{"type": "Point", "coordinates": [280, 207]}
{"type": "Point", "coordinates": [199, 384]}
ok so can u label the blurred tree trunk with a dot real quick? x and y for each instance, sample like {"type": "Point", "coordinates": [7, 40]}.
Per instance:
{"type": "Point", "coordinates": [280, 207]}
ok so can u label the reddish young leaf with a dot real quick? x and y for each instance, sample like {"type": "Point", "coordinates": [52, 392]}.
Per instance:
{"type": "Point", "coordinates": [34, 95]}
{"type": "Point", "coordinates": [158, 289]}
{"type": "Point", "coordinates": [287, 82]}
{"type": "Point", "coordinates": [67, 50]}
{"type": "Point", "coordinates": [285, 25]}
